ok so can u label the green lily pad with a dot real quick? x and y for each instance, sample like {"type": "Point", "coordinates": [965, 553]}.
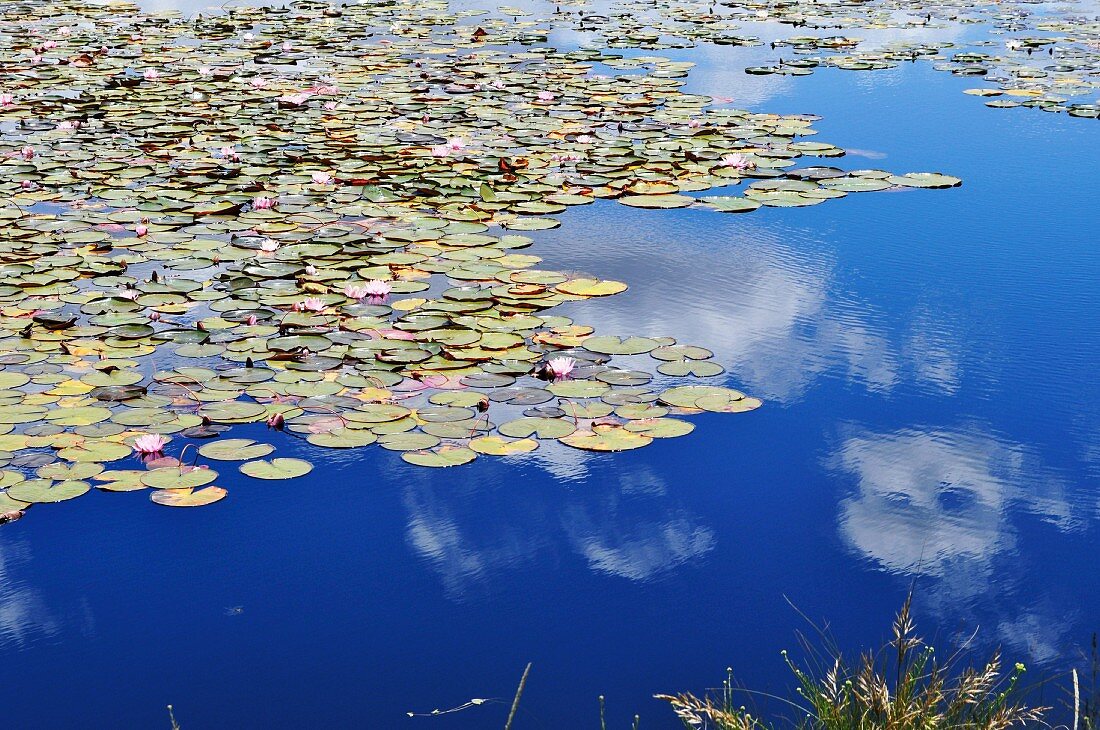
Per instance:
{"type": "Point", "coordinates": [279, 468]}
{"type": "Point", "coordinates": [188, 497]}
{"type": "Point", "coordinates": [235, 450]}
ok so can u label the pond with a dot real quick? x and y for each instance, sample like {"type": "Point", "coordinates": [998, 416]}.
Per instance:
{"type": "Point", "coordinates": [931, 421]}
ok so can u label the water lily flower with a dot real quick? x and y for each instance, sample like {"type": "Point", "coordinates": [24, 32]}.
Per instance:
{"type": "Point", "coordinates": [311, 270]}
{"type": "Point", "coordinates": [257, 82]}
{"type": "Point", "coordinates": [263, 203]}
{"type": "Point", "coordinates": [296, 99]}
{"type": "Point", "coordinates": [154, 316]}
{"type": "Point", "coordinates": [275, 421]}
{"type": "Point", "coordinates": [142, 229]}
{"type": "Point", "coordinates": [6, 99]}
{"type": "Point", "coordinates": [251, 321]}
{"type": "Point", "coordinates": [151, 74]}
{"type": "Point", "coordinates": [287, 46]}
{"type": "Point", "coordinates": [737, 161]}
{"type": "Point", "coordinates": [312, 304]}
{"type": "Point", "coordinates": [27, 153]}
{"type": "Point", "coordinates": [377, 289]}
{"type": "Point", "coordinates": [230, 153]}
{"type": "Point", "coordinates": [355, 291]}
{"type": "Point", "coordinates": [330, 106]}
{"type": "Point", "coordinates": [65, 31]}
{"type": "Point", "coordinates": [206, 71]}
{"type": "Point", "coordinates": [249, 36]}
{"type": "Point", "coordinates": [456, 143]}
{"type": "Point", "coordinates": [694, 124]}
{"type": "Point", "coordinates": [269, 245]}
{"type": "Point", "coordinates": [441, 150]}
{"type": "Point", "coordinates": [48, 45]}
{"type": "Point", "coordinates": [561, 366]}
{"type": "Point", "coordinates": [322, 178]}
{"type": "Point", "coordinates": [150, 443]}
{"type": "Point", "coordinates": [74, 124]}
{"type": "Point", "coordinates": [130, 294]}
{"type": "Point", "coordinates": [1013, 44]}
{"type": "Point", "coordinates": [27, 185]}
{"type": "Point", "coordinates": [546, 96]}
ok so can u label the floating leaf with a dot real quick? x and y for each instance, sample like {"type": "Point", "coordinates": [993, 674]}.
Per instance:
{"type": "Point", "coordinates": [279, 468]}
{"type": "Point", "coordinates": [188, 497]}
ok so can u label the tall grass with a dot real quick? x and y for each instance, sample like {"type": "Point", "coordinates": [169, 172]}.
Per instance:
{"type": "Point", "coordinates": [903, 686]}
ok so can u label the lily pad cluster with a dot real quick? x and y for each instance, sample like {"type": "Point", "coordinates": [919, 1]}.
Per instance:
{"type": "Point", "coordinates": [312, 218]}
{"type": "Point", "coordinates": [1033, 54]}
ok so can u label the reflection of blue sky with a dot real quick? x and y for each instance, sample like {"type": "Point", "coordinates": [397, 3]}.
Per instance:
{"type": "Point", "coordinates": [925, 499]}
{"type": "Point", "coordinates": [630, 528]}
{"type": "Point", "coordinates": [24, 616]}
{"type": "Point", "coordinates": [761, 298]}
{"type": "Point", "coordinates": [940, 506]}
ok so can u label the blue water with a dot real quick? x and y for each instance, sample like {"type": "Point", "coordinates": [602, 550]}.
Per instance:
{"type": "Point", "coordinates": [932, 419]}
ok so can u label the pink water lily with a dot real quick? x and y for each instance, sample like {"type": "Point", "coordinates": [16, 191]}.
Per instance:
{"type": "Point", "coordinates": [441, 150]}
{"type": "Point", "coordinates": [377, 289]}
{"type": "Point", "coordinates": [456, 143]}
{"type": "Point", "coordinates": [546, 96]}
{"type": "Point", "coordinates": [287, 46]}
{"type": "Point", "coordinates": [230, 153]}
{"type": "Point", "coordinates": [322, 178]}
{"type": "Point", "coordinates": [269, 246]}
{"type": "Point", "coordinates": [358, 292]}
{"type": "Point", "coordinates": [312, 304]}
{"type": "Point", "coordinates": [74, 124]}
{"type": "Point", "coordinates": [141, 229]}
{"type": "Point", "coordinates": [154, 316]}
{"type": "Point", "coordinates": [311, 270]}
{"type": "Point", "coordinates": [737, 161]}
{"type": "Point", "coordinates": [150, 443]}
{"type": "Point", "coordinates": [27, 152]}
{"type": "Point", "coordinates": [151, 74]}
{"type": "Point", "coordinates": [561, 366]}
{"type": "Point", "coordinates": [251, 321]}
{"type": "Point", "coordinates": [130, 294]}
{"type": "Point", "coordinates": [6, 99]}
{"type": "Point", "coordinates": [296, 99]}
{"type": "Point", "coordinates": [263, 203]}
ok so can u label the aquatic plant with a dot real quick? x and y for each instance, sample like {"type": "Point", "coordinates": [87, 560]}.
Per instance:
{"type": "Point", "coordinates": [902, 686]}
{"type": "Point", "coordinates": [336, 248]}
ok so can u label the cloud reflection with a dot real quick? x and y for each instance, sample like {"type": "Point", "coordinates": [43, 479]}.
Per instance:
{"type": "Point", "coordinates": [24, 616]}
{"type": "Point", "coordinates": [469, 531]}
{"type": "Point", "coordinates": [928, 498]}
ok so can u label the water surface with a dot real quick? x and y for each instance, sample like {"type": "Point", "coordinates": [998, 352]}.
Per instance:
{"type": "Point", "coordinates": [932, 419]}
